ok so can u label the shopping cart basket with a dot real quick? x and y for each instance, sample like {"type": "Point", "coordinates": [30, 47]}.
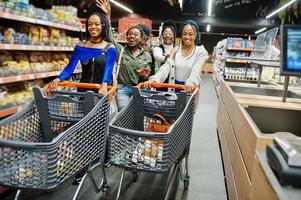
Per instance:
{"type": "Point", "coordinates": [133, 148]}
{"type": "Point", "coordinates": [29, 159]}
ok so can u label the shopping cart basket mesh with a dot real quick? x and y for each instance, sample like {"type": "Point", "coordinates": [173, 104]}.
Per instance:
{"type": "Point", "coordinates": [132, 148]}
{"type": "Point", "coordinates": [27, 162]}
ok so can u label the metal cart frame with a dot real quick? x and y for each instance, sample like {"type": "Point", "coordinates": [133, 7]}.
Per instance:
{"type": "Point", "coordinates": [127, 133]}
{"type": "Point", "coordinates": [29, 160]}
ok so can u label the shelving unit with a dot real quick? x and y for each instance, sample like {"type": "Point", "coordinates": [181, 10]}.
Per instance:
{"type": "Point", "coordinates": [10, 111]}
{"type": "Point", "coordinates": [231, 55]}
{"type": "Point", "coordinates": [26, 77]}
{"type": "Point", "coordinates": [15, 47]}
{"type": "Point", "coordinates": [5, 15]}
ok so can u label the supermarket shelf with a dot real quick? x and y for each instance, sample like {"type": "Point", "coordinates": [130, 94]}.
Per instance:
{"type": "Point", "coordinates": [237, 61]}
{"type": "Point", "coordinates": [10, 111]}
{"type": "Point", "coordinates": [25, 77]}
{"type": "Point", "coordinates": [243, 80]}
{"type": "Point", "coordinates": [14, 17]}
{"type": "Point", "coordinates": [239, 49]}
{"type": "Point", "coordinates": [33, 47]}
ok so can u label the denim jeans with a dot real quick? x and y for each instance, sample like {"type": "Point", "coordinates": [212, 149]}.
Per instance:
{"type": "Point", "coordinates": [123, 95]}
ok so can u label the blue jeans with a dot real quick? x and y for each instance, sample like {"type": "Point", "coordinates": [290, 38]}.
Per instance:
{"type": "Point", "coordinates": [179, 82]}
{"type": "Point", "coordinates": [123, 95]}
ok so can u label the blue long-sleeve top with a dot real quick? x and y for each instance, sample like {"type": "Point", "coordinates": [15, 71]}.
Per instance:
{"type": "Point", "coordinates": [83, 54]}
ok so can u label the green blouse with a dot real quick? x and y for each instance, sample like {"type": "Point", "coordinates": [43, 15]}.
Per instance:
{"type": "Point", "coordinates": [129, 65]}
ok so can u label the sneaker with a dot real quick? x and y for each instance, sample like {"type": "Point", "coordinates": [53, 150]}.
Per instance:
{"type": "Point", "coordinates": [78, 177]}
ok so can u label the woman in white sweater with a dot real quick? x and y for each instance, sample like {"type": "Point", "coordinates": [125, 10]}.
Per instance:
{"type": "Point", "coordinates": [162, 52]}
{"type": "Point", "coordinates": [185, 63]}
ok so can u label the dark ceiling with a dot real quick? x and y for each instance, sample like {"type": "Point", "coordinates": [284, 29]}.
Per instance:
{"type": "Point", "coordinates": [231, 16]}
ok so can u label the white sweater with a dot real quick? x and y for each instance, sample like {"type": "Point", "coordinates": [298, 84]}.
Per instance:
{"type": "Point", "coordinates": [180, 68]}
{"type": "Point", "coordinates": [159, 55]}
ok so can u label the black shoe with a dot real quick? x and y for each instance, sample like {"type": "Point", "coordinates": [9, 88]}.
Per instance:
{"type": "Point", "coordinates": [78, 177]}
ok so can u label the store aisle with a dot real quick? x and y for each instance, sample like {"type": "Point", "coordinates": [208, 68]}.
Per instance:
{"type": "Point", "coordinates": [207, 177]}
{"type": "Point", "coordinates": [206, 173]}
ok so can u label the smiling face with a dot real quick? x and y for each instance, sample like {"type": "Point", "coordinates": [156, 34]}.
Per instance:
{"type": "Point", "coordinates": [168, 37]}
{"type": "Point", "coordinates": [188, 35]}
{"type": "Point", "coordinates": [94, 26]}
{"type": "Point", "coordinates": [134, 37]}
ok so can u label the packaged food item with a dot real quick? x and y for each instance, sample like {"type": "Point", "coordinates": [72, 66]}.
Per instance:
{"type": "Point", "coordinates": [44, 36]}
{"type": "Point", "coordinates": [9, 35]}
{"type": "Point", "coordinates": [34, 35]}
{"type": "Point", "coordinates": [55, 37]}
{"type": "Point", "coordinates": [147, 152]}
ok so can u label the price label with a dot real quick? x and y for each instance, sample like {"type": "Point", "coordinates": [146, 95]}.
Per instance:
{"type": "Point", "coordinates": [1, 80]}
{"type": "Point", "coordinates": [43, 75]}
{"type": "Point", "coordinates": [31, 76]}
{"type": "Point", "coordinates": [6, 46]}
{"type": "Point", "coordinates": [19, 78]}
{"type": "Point", "coordinates": [23, 47]}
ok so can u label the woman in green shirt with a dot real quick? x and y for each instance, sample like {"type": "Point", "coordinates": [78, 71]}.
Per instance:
{"type": "Point", "coordinates": [135, 63]}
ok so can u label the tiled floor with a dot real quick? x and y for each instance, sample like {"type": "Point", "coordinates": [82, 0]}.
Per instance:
{"type": "Point", "coordinates": [206, 172]}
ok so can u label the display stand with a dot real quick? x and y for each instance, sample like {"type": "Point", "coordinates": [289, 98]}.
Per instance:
{"type": "Point", "coordinates": [264, 63]}
{"type": "Point", "coordinates": [285, 88]}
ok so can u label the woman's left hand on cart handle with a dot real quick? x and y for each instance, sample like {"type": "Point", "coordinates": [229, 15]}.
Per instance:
{"type": "Point", "coordinates": [103, 90]}
{"type": "Point", "coordinates": [189, 87]}
{"type": "Point", "coordinates": [148, 84]}
{"type": "Point", "coordinates": [54, 84]}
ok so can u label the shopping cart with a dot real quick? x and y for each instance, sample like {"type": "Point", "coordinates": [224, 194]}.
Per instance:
{"type": "Point", "coordinates": [53, 138]}
{"type": "Point", "coordinates": [133, 148]}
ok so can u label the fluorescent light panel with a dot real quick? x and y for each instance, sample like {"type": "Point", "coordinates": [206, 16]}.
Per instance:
{"type": "Point", "coordinates": [208, 27]}
{"type": "Point", "coordinates": [261, 30]}
{"type": "Point", "coordinates": [279, 9]}
{"type": "Point", "coordinates": [181, 4]}
{"type": "Point", "coordinates": [209, 12]}
{"type": "Point", "coordinates": [209, 7]}
{"type": "Point", "coordinates": [121, 6]}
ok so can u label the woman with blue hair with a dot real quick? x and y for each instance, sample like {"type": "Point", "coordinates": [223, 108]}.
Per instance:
{"type": "Point", "coordinates": [186, 61]}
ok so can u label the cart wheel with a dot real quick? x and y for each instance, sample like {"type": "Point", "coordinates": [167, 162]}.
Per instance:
{"type": "Point", "coordinates": [135, 176]}
{"type": "Point", "coordinates": [186, 183]}
{"type": "Point", "coordinates": [106, 191]}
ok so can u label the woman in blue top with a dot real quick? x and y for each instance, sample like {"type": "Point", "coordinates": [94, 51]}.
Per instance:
{"type": "Point", "coordinates": [97, 56]}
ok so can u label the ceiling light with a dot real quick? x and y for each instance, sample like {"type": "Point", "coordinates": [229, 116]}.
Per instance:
{"type": "Point", "coordinates": [208, 27]}
{"type": "Point", "coordinates": [279, 9]}
{"type": "Point", "coordinates": [209, 7]}
{"type": "Point", "coordinates": [121, 6]}
{"type": "Point", "coordinates": [181, 4]}
{"type": "Point", "coordinates": [261, 30]}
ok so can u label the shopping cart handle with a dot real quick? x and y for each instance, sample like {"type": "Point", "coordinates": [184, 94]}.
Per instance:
{"type": "Point", "coordinates": [162, 85]}
{"type": "Point", "coordinates": [111, 89]}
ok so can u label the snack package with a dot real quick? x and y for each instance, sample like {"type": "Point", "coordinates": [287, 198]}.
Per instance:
{"type": "Point", "coordinates": [9, 35]}
{"type": "Point", "coordinates": [44, 36]}
{"type": "Point", "coordinates": [34, 35]}
{"type": "Point", "coordinates": [55, 37]}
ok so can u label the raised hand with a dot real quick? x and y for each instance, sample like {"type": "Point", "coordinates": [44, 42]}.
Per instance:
{"type": "Point", "coordinates": [105, 6]}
